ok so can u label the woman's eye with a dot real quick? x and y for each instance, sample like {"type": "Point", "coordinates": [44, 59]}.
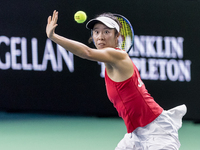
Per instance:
{"type": "Point", "coordinates": [106, 32]}
{"type": "Point", "coordinates": [96, 32]}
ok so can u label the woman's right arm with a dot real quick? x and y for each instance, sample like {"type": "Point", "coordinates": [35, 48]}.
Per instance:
{"type": "Point", "coordinates": [75, 47]}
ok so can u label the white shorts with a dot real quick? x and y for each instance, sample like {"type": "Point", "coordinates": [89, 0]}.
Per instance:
{"type": "Point", "coordinates": [161, 134]}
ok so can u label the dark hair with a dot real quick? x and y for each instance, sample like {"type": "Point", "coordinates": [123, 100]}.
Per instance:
{"type": "Point", "coordinates": [110, 15]}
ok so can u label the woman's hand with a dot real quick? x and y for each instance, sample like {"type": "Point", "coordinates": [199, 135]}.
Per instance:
{"type": "Point", "coordinates": [52, 24]}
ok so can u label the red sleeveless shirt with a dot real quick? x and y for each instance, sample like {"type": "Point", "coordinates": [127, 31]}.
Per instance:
{"type": "Point", "coordinates": [132, 101]}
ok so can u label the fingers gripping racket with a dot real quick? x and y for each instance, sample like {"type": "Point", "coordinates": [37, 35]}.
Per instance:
{"type": "Point", "coordinates": [126, 39]}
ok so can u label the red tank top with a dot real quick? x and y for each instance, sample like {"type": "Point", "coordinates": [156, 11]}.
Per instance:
{"type": "Point", "coordinates": [132, 101]}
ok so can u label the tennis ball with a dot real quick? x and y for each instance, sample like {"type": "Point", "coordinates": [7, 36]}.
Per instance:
{"type": "Point", "coordinates": [80, 16]}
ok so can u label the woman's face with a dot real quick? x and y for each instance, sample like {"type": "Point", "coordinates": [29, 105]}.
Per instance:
{"type": "Point", "coordinates": [103, 36]}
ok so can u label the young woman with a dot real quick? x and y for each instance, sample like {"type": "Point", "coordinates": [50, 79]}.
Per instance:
{"type": "Point", "coordinates": [149, 127]}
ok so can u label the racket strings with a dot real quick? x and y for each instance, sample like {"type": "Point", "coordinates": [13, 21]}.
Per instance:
{"type": "Point", "coordinates": [126, 34]}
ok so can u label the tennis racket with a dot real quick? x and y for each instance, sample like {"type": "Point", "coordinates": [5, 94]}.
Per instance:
{"type": "Point", "coordinates": [126, 39]}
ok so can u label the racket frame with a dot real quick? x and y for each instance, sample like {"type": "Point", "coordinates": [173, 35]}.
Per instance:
{"type": "Point", "coordinates": [132, 31]}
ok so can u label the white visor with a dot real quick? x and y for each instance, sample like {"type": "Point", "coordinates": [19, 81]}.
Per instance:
{"type": "Point", "coordinates": [105, 20]}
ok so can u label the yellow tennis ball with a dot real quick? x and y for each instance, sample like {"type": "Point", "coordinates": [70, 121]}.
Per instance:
{"type": "Point", "coordinates": [80, 16]}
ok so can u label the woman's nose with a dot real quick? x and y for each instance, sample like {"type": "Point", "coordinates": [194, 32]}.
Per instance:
{"type": "Point", "coordinates": [101, 36]}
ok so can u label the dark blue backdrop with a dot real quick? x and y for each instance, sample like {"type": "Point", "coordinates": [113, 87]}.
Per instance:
{"type": "Point", "coordinates": [82, 91]}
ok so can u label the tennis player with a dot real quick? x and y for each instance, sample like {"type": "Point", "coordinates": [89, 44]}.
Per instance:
{"type": "Point", "coordinates": [149, 127]}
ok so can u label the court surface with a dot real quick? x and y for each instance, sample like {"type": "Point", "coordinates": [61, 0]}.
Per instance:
{"type": "Point", "coordinates": [21, 131]}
